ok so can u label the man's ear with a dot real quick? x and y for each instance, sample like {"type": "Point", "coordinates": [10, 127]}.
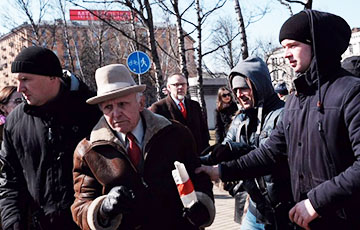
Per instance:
{"type": "Point", "coordinates": [142, 102]}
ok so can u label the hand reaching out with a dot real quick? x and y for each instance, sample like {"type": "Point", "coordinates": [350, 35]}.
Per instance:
{"type": "Point", "coordinates": [212, 171]}
{"type": "Point", "coordinates": [303, 213]}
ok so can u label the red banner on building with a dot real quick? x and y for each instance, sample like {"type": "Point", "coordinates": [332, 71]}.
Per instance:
{"type": "Point", "coordinates": [85, 15]}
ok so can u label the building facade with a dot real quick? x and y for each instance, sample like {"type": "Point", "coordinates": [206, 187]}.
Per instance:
{"type": "Point", "coordinates": [84, 46]}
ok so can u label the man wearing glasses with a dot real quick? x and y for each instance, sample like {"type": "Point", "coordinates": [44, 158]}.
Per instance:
{"type": "Point", "coordinates": [177, 106]}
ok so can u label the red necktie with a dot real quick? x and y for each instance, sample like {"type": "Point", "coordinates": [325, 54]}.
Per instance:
{"type": "Point", "coordinates": [134, 151]}
{"type": "Point", "coordinates": [182, 109]}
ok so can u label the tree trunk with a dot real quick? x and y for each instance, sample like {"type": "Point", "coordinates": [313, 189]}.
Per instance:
{"type": "Point", "coordinates": [66, 35]}
{"type": "Point", "coordinates": [243, 40]}
{"type": "Point", "coordinates": [308, 4]}
{"type": "Point", "coordinates": [181, 40]}
{"type": "Point", "coordinates": [200, 90]}
{"type": "Point", "coordinates": [154, 53]}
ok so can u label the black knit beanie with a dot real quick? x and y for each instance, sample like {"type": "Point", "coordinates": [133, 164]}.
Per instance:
{"type": "Point", "coordinates": [296, 28]}
{"type": "Point", "coordinates": [37, 60]}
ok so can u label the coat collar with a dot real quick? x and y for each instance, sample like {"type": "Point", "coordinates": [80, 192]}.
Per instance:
{"type": "Point", "coordinates": [153, 123]}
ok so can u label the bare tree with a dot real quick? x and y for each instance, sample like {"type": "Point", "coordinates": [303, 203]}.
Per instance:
{"type": "Point", "coordinates": [31, 23]}
{"type": "Point", "coordinates": [180, 31]}
{"type": "Point", "coordinates": [143, 11]}
{"type": "Point", "coordinates": [244, 45]}
{"type": "Point", "coordinates": [62, 8]}
{"type": "Point", "coordinates": [307, 4]}
{"type": "Point", "coordinates": [201, 17]}
{"type": "Point", "coordinates": [264, 48]}
{"type": "Point", "coordinates": [225, 32]}
{"type": "Point", "coordinates": [287, 5]}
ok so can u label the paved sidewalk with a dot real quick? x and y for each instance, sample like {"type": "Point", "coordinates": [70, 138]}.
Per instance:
{"type": "Point", "coordinates": [224, 219]}
{"type": "Point", "coordinates": [224, 204]}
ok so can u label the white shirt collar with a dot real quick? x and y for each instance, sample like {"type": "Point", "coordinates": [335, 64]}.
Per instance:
{"type": "Point", "coordinates": [138, 133]}
{"type": "Point", "coordinates": [177, 101]}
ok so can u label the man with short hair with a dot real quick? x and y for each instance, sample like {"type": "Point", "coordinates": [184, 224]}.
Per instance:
{"type": "Point", "coordinates": [178, 107]}
{"type": "Point", "coordinates": [40, 137]}
{"type": "Point", "coordinates": [123, 171]}
{"type": "Point", "coordinates": [319, 131]}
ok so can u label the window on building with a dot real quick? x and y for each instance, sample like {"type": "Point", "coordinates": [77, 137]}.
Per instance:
{"type": "Point", "coordinates": [351, 49]}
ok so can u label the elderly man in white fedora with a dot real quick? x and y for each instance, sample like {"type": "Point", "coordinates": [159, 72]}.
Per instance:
{"type": "Point", "coordinates": [122, 172]}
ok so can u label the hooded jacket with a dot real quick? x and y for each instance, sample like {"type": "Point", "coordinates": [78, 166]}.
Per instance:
{"type": "Point", "coordinates": [37, 157]}
{"type": "Point", "coordinates": [247, 132]}
{"type": "Point", "coordinates": [319, 132]}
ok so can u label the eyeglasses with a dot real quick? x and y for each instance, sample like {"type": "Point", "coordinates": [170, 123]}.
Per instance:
{"type": "Point", "coordinates": [17, 100]}
{"type": "Point", "coordinates": [226, 95]}
{"type": "Point", "coordinates": [179, 84]}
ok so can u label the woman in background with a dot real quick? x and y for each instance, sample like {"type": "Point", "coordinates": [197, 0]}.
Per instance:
{"type": "Point", "coordinates": [225, 110]}
{"type": "Point", "coordinates": [9, 99]}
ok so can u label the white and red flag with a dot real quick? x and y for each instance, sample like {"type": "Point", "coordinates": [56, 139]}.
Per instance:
{"type": "Point", "coordinates": [184, 185]}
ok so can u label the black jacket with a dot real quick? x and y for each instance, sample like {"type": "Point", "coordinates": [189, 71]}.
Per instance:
{"type": "Point", "coordinates": [322, 143]}
{"type": "Point", "coordinates": [223, 120]}
{"type": "Point", "coordinates": [37, 158]}
{"type": "Point", "coordinates": [243, 137]}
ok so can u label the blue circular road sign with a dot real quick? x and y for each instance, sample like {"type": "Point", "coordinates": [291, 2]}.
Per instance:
{"type": "Point", "coordinates": [138, 62]}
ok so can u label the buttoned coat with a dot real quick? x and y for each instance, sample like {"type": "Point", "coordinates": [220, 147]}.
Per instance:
{"type": "Point", "coordinates": [194, 120]}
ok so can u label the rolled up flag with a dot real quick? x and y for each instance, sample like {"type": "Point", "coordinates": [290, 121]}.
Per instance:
{"type": "Point", "coordinates": [184, 185]}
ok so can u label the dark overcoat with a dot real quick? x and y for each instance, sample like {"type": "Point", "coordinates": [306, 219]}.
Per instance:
{"type": "Point", "coordinates": [194, 120]}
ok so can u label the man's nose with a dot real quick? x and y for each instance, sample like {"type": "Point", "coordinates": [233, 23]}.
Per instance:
{"type": "Point", "coordinates": [238, 93]}
{"type": "Point", "coordinates": [20, 87]}
{"type": "Point", "coordinates": [287, 53]}
{"type": "Point", "coordinates": [117, 111]}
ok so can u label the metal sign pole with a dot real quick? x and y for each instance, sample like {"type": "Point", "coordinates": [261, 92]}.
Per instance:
{"type": "Point", "coordinates": [138, 58]}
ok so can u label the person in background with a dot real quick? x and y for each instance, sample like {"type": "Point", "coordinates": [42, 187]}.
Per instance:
{"type": "Point", "coordinates": [352, 64]}
{"type": "Point", "coordinates": [40, 137]}
{"type": "Point", "coordinates": [188, 112]}
{"type": "Point", "coordinates": [224, 113]}
{"type": "Point", "coordinates": [123, 171]}
{"type": "Point", "coordinates": [281, 90]}
{"type": "Point", "coordinates": [9, 99]}
{"type": "Point", "coordinates": [320, 129]}
{"type": "Point", "coordinates": [270, 196]}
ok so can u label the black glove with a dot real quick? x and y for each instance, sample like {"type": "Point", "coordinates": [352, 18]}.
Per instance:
{"type": "Point", "coordinates": [233, 187]}
{"type": "Point", "coordinates": [119, 200]}
{"type": "Point", "coordinates": [216, 153]}
{"type": "Point", "coordinates": [197, 214]}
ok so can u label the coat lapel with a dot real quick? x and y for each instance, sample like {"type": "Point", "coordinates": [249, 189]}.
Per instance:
{"type": "Point", "coordinates": [174, 110]}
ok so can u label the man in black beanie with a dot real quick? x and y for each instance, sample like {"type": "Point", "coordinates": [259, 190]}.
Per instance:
{"type": "Point", "coordinates": [320, 129]}
{"type": "Point", "coordinates": [40, 137]}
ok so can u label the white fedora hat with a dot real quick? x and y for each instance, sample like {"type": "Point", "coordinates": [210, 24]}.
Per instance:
{"type": "Point", "coordinates": [114, 81]}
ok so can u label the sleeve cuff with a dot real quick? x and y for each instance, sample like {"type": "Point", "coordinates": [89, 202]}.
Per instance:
{"type": "Point", "coordinates": [92, 216]}
{"type": "Point", "coordinates": [209, 204]}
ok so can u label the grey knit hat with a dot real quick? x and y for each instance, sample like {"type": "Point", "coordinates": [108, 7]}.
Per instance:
{"type": "Point", "coordinates": [239, 82]}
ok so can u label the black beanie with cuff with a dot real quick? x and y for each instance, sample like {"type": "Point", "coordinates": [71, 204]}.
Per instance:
{"type": "Point", "coordinates": [37, 60]}
{"type": "Point", "coordinates": [296, 28]}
